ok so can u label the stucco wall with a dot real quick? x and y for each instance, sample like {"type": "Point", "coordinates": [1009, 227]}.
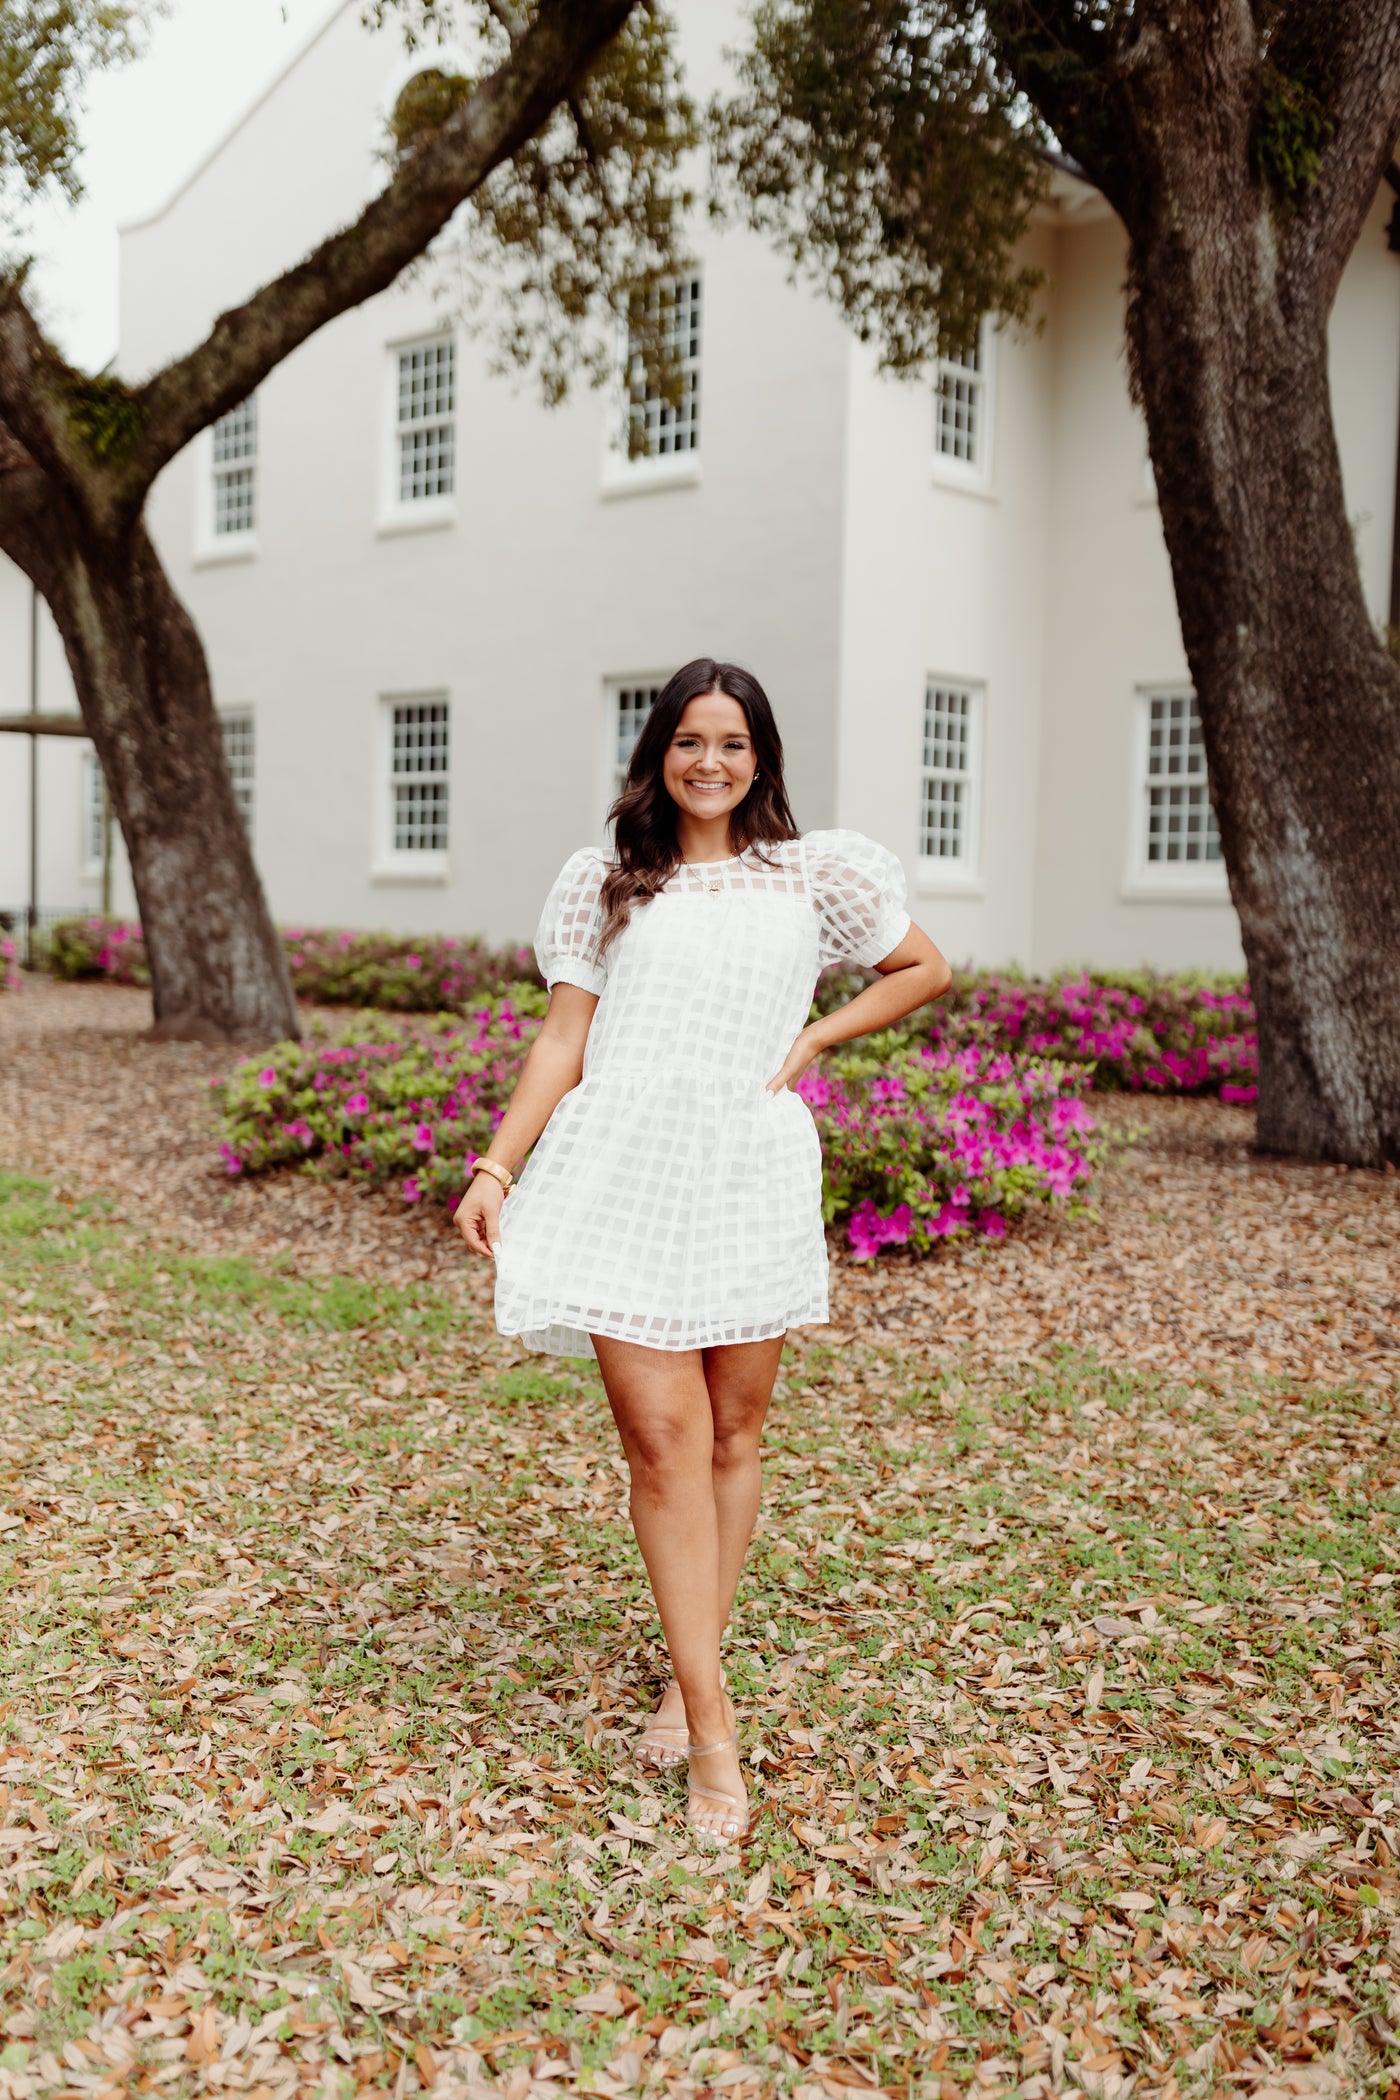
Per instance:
{"type": "Point", "coordinates": [942, 580]}
{"type": "Point", "coordinates": [544, 587]}
{"type": "Point", "coordinates": [1111, 627]}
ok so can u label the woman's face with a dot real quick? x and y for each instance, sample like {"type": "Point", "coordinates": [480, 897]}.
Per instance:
{"type": "Point", "coordinates": [709, 767]}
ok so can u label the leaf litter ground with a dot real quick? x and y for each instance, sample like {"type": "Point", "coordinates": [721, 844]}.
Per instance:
{"type": "Point", "coordinates": [1068, 1680]}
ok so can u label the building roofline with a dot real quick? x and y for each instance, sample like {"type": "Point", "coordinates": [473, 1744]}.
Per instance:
{"type": "Point", "coordinates": [312, 36]}
{"type": "Point", "coordinates": [1063, 164]}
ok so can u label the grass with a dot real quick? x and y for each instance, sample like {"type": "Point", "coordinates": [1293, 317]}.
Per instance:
{"type": "Point", "coordinates": [1070, 1700]}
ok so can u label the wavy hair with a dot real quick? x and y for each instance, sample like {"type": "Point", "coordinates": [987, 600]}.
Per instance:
{"type": "Point", "coordinates": [645, 849]}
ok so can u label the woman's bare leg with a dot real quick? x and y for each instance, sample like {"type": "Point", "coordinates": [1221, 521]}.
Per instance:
{"type": "Point", "coordinates": [660, 1403]}
{"type": "Point", "coordinates": [740, 1384]}
{"type": "Point", "coordinates": [739, 1380]}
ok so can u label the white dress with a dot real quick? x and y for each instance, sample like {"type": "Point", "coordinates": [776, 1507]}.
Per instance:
{"type": "Point", "coordinates": [672, 1200]}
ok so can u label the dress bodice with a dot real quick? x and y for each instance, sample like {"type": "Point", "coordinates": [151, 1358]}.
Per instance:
{"type": "Point", "coordinates": [715, 973]}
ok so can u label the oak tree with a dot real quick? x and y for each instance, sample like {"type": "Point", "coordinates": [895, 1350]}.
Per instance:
{"type": "Point", "coordinates": [565, 148]}
{"type": "Point", "coordinates": [896, 147]}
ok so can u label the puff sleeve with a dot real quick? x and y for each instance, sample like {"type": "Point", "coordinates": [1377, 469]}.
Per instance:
{"type": "Point", "coordinates": [566, 939]}
{"type": "Point", "coordinates": [859, 896]}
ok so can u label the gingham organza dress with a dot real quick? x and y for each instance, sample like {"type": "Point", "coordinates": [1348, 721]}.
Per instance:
{"type": "Point", "coordinates": [672, 1200]}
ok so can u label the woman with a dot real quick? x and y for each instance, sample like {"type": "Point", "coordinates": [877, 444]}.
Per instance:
{"type": "Point", "coordinates": [669, 1221]}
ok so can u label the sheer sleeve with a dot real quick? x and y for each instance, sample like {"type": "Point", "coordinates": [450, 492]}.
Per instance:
{"type": "Point", "coordinates": [566, 939]}
{"type": "Point", "coordinates": [858, 893]}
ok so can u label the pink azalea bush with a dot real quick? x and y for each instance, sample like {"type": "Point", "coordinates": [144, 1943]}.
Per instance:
{"type": "Point", "coordinates": [9, 975]}
{"type": "Point", "coordinates": [432, 973]}
{"type": "Point", "coordinates": [425, 973]}
{"type": "Point", "coordinates": [93, 947]}
{"type": "Point", "coordinates": [377, 1102]}
{"type": "Point", "coordinates": [920, 1142]}
{"type": "Point", "coordinates": [1185, 1034]}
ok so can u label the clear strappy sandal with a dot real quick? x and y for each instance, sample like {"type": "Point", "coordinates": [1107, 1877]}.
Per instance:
{"type": "Point", "coordinates": [663, 1747]}
{"type": "Point", "coordinates": [735, 1825]}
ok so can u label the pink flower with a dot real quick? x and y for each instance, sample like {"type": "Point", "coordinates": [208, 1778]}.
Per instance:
{"type": "Point", "coordinates": [268, 1076]}
{"type": "Point", "coordinates": [423, 1138]}
{"type": "Point", "coordinates": [867, 1231]}
{"type": "Point", "coordinates": [357, 1105]}
{"type": "Point", "coordinates": [411, 1191]}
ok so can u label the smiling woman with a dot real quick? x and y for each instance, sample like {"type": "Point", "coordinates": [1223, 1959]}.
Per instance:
{"type": "Point", "coordinates": [669, 1221]}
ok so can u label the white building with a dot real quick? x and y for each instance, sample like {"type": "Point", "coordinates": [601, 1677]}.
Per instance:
{"type": "Point", "coordinates": [433, 609]}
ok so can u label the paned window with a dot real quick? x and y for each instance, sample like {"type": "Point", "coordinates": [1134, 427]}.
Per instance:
{"type": "Point", "coordinates": [948, 787]}
{"type": "Point", "coordinates": [960, 412]}
{"type": "Point", "coordinates": [658, 428]}
{"type": "Point", "coordinates": [631, 704]}
{"type": "Point", "coordinates": [235, 469]}
{"type": "Point", "coordinates": [425, 419]}
{"type": "Point", "coordinates": [418, 776]}
{"type": "Point", "coordinates": [1180, 823]}
{"type": "Point", "coordinates": [237, 726]}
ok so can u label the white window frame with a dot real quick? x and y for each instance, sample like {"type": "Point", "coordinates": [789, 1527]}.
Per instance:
{"type": "Point", "coordinates": [392, 862]}
{"type": "Point", "coordinates": [245, 781]}
{"type": "Point", "coordinates": [90, 814]}
{"type": "Point", "coordinates": [1180, 881]}
{"type": "Point", "coordinates": [974, 475]}
{"type": "Point", "coordinates": [210, 545]}
{"type": "Point", "coordinates": [398, 513]}
{"type": "Point", "coordinates": [959, 872]}
{"type": "Point", "coordinates": [623, 476]}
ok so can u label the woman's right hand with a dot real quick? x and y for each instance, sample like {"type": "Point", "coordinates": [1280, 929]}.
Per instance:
{"type": "Point", "coordinates": [478, 1215]}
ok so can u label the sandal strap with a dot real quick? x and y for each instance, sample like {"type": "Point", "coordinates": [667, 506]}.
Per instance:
{"type": "Point", "coordinates": [704, 1749]}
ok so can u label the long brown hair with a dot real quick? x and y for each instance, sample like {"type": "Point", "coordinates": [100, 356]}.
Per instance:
{"type": "Point", "coordinates": [645, 850]}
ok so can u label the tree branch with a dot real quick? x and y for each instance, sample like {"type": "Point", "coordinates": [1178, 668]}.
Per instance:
{"type": "Point", "coordinates": [505, 110]}
{"type": "Point", "coordinates": [1351, 50]}
{"type": "Point", "coordinates": [28, 503]}
{"type": "Point", "coordinates": [1068, 67]}
{"type": "Point", "coordinates": [33, 378]}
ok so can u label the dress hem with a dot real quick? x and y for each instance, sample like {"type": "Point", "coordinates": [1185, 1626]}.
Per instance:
{"type": "Point", "coordinates": [563, 1338]}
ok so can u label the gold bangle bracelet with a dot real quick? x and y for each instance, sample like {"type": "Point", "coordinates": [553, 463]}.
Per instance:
{"type": "Point", "coordinates": [497, 1172]}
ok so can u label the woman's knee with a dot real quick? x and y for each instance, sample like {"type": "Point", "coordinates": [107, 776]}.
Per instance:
{"type": "Point", "coordinates": [661, 1447]}
{"type": "Point", "coordinates": [736, 1444]}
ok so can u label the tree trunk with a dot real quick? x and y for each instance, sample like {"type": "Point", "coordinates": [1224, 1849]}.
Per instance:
{"type": "Point", "coordinates": [218, 971]}
{"type": "Point", "coordinates": [1300, 703]}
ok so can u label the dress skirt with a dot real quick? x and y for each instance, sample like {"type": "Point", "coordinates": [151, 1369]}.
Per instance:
{"type": "Point", "coordinates": [678, 1211]}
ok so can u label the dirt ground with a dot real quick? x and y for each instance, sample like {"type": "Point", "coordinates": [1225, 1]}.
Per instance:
{"type": "Point", "coordinates": [1204, 1259]}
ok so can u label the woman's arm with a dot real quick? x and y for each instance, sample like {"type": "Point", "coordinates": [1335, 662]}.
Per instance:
{"type": "Point", "coordinates": [911, 975]}
{"type": "Point", "coordinates": [553, 1067]}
